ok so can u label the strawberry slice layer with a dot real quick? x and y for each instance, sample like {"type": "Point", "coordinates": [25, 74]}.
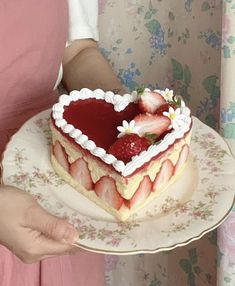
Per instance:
{"type": "Point", "coordinates": [163, 176]}
{"type": "Point", "coordinates": [80, 172]}
{"type": "Point", "coordinates": [143, 191]}
{"type": "Point", "coordinates": [183, 156]}
{"type": "Point", "coordinates": [153, 124]}
{"type": "Point", "coordinates": [150, 101]}
{"type": "Point", "coordinates": [106, 189]}
{"type": "Point", "coordinates": [60, 155]}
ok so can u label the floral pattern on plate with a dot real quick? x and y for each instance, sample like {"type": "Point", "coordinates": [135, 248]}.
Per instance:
{"type": "Point", "coordinates": [197, 202]}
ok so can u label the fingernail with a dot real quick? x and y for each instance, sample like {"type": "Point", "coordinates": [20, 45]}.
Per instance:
{"type": "Point", "coordinates": [71, 235]}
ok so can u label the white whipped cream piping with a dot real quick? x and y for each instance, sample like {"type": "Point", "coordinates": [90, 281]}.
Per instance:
{"type": "Point", "coordinates": [119, 103]}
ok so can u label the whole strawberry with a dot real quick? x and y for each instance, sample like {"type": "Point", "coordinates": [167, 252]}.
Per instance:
{"type": "Point", "coordinates": [128, 146]}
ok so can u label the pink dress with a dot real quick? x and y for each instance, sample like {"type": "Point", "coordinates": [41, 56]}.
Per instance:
{"type": "Point", "coordinates": [33, 35]}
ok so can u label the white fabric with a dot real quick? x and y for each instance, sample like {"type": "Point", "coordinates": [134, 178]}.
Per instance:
{"type": "Point", "coordinates": [83, 24]}
{"type": "Point", "coordinates": [83, 18]}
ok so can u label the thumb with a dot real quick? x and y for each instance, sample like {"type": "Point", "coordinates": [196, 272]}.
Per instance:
{"type": "Point", "coordinates": [51, 226]}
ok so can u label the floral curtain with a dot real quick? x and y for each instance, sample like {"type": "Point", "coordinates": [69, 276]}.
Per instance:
{"type": "Point", "coordinates": [226, 232]}
{"type": "Point", "coordinates": [189, 46]}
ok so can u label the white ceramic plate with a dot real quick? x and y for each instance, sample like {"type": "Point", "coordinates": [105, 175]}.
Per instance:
{"type": "Point", "coordinates": [198, 202]}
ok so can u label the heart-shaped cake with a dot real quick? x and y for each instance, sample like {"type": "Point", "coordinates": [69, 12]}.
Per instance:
{"type": "Point", "coordinates": [120, 151]}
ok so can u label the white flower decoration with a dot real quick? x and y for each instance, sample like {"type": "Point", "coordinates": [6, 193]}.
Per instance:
{"type": "Point", "coordinates": [182, 103]}
{"type": "Point", "coordinates": [176, 117]}
{"type": "Point", "coordinates": [127, 128]}
{"type": "Point", "coordinates": [168, 94]}
{"type": "Point", "coordinates": [185, 111]}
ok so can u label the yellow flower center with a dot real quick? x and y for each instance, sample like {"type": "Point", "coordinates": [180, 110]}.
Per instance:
{"type": "Point", "coordinates": [173, 116]}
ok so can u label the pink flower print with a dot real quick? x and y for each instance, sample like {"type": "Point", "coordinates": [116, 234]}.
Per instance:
{"type": "Point", "coordinates": [111, 262]}
{"type": "Point", "coordinates": [205, 57]}
{"type": "Point", "coordinates": [211, 135]}
{"type": "Point", "coordinates": [218, 3]}
{"type": "Point", "coordinates": [102, 4]}
{"type": "Point", "coordinates": [214, 3]}
{"type": "Point", "coordinates": [132, 7]}
{"type": "Point", "coordinates": [226, 27]}
{"type": "Point", "coordinates": [226, 240]}
{"type": "Point", "coordinates": [168, 80]}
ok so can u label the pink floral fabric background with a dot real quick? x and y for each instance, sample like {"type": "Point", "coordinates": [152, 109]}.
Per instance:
{"type": "Point", "coordinates": [189, 46]}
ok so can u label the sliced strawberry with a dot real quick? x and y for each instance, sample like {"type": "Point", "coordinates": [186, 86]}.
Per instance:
{"type": "Point", "coordinates": [60, 155]}
{"type": "Point", "coordinates": [106, 189]}
{"type": "Point", "coordinates": [165, 107]}
{"type": "Point", "coordinates": [80, 172]}
{"type": "Point", "coordinates": [127, 146]}
{"type": "Point", "coordinates": [183, 156]}
{"type": "Point", "coordinates": [153, 124]}
{"type": "Point", "coordinates": [150, 101]}
{"type": "Point", "coordinates": [164, 134]}
{"type": "Point", "coordinates": [141, 194]}
{"type": "Point", "coordinates": [163, 176]}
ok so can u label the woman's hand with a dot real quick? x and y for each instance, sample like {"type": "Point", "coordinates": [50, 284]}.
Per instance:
{"type": "Point", "coordinates": [29, 231]}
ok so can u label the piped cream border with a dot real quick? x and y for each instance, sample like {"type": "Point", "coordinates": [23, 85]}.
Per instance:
{"type": "Point", "coordinates": [119, 103]}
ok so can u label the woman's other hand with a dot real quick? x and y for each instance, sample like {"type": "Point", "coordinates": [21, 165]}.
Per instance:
{"type": "Point", "coordinates": [29, 231]}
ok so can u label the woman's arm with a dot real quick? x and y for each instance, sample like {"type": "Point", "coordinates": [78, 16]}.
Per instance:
{"type": "Point", "coordinates": [85, 66]}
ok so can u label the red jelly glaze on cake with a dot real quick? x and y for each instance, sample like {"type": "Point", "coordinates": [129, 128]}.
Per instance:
{"type": "Point", "coordinates": [98, 119]}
